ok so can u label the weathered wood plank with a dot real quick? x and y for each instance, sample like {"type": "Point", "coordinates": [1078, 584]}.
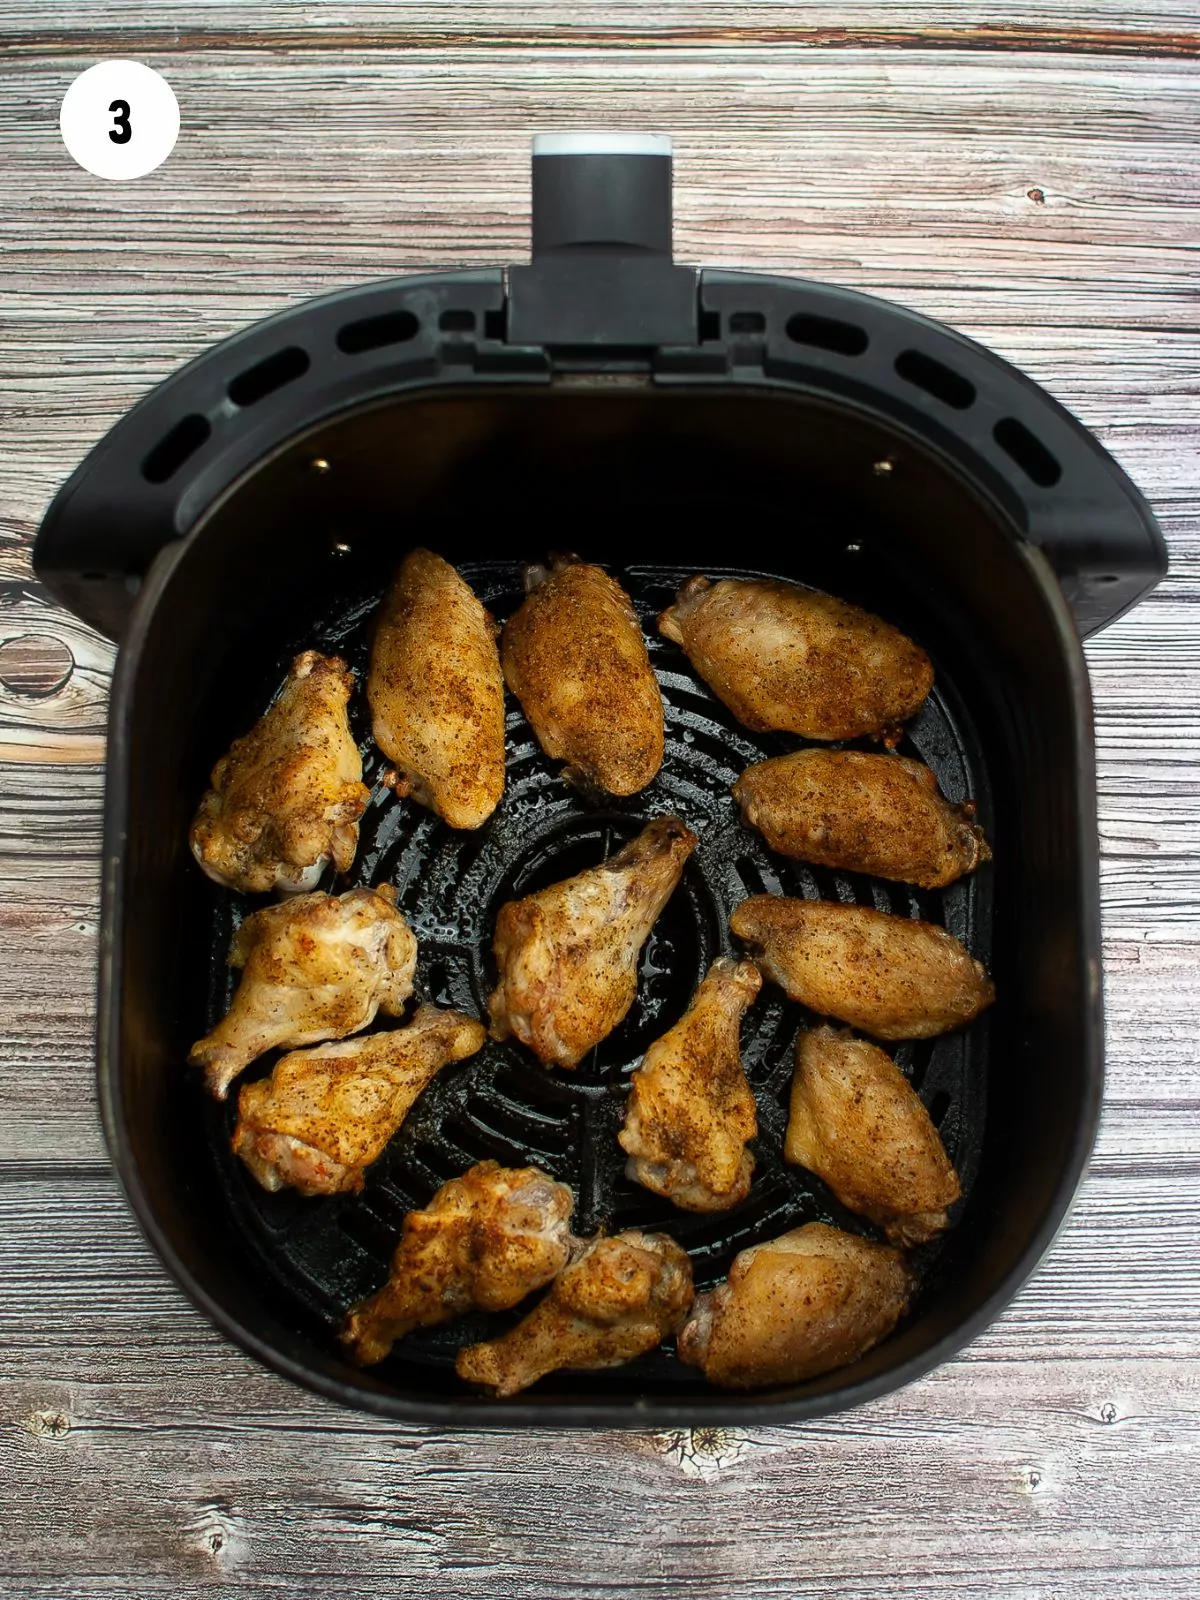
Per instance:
{"type": "Point", "coordinates": [1076, 1463]}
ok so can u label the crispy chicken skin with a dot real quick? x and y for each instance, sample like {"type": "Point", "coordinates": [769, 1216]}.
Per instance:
{"type": "Point", "coordinates": [858, 1124]}
{"type": "Point", "coordinates": [575, 658]}
{"type": "Point", "coordinates": [436, 694]}
{"type": "Point", "coordinates": [691, 1109]}
{"type": "Point", "coordinates": [484, 1242]}
{"type": "Point", "coordinates": [568, 955]}
{"type": "Point", "coordinates": [887, 975]}
{"type": "Point", "coordinates": [286, 798]}
{"type": "Point", "coordinates": [795, 659]}
{"type": "Point", "coordinates": [620, 1298]}
{"type": "Point", "coordinates": [805, 1303]}
{"type": "Point", "coordinates": [325, 1114]}
{"type": "Point", "coordinates": [865, 813]}
{"type": "Point", "coordinates": [316, 967]}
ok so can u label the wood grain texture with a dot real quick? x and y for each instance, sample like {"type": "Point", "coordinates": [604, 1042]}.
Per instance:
{"type": "Point", "coordinates": [1047, 203]}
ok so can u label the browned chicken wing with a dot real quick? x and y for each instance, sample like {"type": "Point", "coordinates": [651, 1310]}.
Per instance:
{"type": "Point", "coordinates": [620, 1298]}
{"type": "Point", "coordinates": [803, 1304]}
{"type": "Point", "coordinates": [484, 1242]}
{"type": "Point", "coordinates": [785, 657]}
{"type": "Point", "coordinates": [325, 1114]}
{"type": "Point", "coordinates": [568, 955]}
{"type": "Point", "coordinates": [691, 1109]}
{"type": "Point", "coordinates": [316, 967]}
{"type": "Point", "coordinates": [866, 813]}
{"type": "Point", "coordinates": [858, 1124]}
{"type": "Point", "coordinates": [575, 658]}
{"type": "Point", "coordinates": [436, 694]}
{"type": "Point", "coordinates": [892, 977]}
{"type": "Point", "coordinates": [286, 799]}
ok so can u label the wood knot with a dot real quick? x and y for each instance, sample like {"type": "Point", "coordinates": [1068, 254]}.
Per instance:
{"type": "Point", "coordinates": [701, 1452]}
{"type": "Point", "coordinates": [35, 664]}
{"type": "Point", "coordinates": [1038, 196]}
{"type": "Point", "coordinates": [49, 1424]}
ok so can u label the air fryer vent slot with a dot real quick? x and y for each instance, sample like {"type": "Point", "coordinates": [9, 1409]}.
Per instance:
{"type": "Point", "coordinates": [942, 382]}
{"type": "Point", "coordinates": [827, 333]}
{"type": "Point", "coordinates": [1029, 453]}
{"type": "Point", "coordinates": [374, 333]}
{"type": "Point", "coordinates": [457, 322]}
{"type": "Point", "coordinates": [174, 448]}
{"type": "Point", "coordinates": [257, 382]}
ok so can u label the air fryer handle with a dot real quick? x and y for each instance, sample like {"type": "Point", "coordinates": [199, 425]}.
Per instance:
{"type": "Point", "coordinates": [601, 271]}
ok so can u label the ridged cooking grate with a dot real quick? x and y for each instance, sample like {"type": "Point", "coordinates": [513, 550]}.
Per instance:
{"type": "Point", "coordinates": [326, 1253]}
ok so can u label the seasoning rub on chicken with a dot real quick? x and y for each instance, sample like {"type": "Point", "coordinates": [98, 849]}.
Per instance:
{"type": "Point", "coordinates": [568, 955]}
{"type": "Point", "coordinates": [484, 1242]}
{"type": "Point", "coordinates": [317, 967]}
{"type": "Point", "coordinates": [286, 798]}
{"type": "Point", "coordinates": [781, 656]}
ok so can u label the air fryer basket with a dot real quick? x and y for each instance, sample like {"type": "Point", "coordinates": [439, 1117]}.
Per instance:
{"type": "Point", "coordinates": [743, 450]}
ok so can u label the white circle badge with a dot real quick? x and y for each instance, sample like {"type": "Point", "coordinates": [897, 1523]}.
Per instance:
{"type": "Point", "coordinates": [120, 119]}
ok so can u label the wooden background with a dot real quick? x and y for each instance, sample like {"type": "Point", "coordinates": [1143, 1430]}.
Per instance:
{"type": "Point", "coordinates": [1034, 179]}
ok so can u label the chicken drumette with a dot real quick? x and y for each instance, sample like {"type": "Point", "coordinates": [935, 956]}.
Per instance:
{"type": "Point", "coordinates": [316, 967]}
{"type": "Point", "coordinates": [784, 657]}
{"type": "Point", "coordinates": [325, 1114]}
{"type": "Point", "coordinates": [436, 694]}
{"type": "Point", "coordinates": [575, 658]}
{"type": "Point", "coordinates": [568, 955]}
{"type": "Point", "coordinates": [895, 978]}
{"type": "Point", "coordinates": [805, 1303]}
{"type": "Point", "coordinates": [858, 1124]}
{"type": "Point", "coordinates": [866, 813]}
{"type": "Point", "coordinates": [620, 1298]}
{"type": "Point", "coordinates": [691, 1109]}
{"type": "Point", "coordinates": [286, 799]}
{"type": "Point", "coordinates": [484, 1242]}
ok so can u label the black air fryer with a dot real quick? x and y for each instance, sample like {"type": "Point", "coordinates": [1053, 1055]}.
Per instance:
{"type": "Point", "coordinates": [663, 421]}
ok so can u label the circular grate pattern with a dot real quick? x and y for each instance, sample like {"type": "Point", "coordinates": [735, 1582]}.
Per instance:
{"type": "Point", "coordinates": [502, 1103]}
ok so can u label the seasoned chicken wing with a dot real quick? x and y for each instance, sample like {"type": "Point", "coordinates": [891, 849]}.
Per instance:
{"type": "Point", "coordinates": [620, 1298]}
{"type": "Point", "coordinates": [286, 798]}
{"type": "Point", "coordinates": [691, 1109]}
{"type": "Point", "coordinates": [805, 1303]}
{"type": "Point", "coordinates": [568, 955]}
{"type": "Point", "coordinates": [865, 813]}
{"type": "Point", "coordinates": [484, 1242]}
{"type": "Point", "coordinates": [436, 694]}
{"type": "Point", "coordinates": [785, 657]}
{"type": "Point", "coordinates": [325, 1114]}
{"type": "Point", "coordinates": [858, 1124]}
{"type": "Point", "coordinates": [575, 658]}
{"type": "Point", "coordinates": [892, 977]}
{"type": "Point", "coordinates": [316, 967]}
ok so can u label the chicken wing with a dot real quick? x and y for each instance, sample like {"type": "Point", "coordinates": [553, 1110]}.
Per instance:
{"type": "Point", "coordinates": [864, 813]}
{"type": "Point", "coordinates": [858, 1124]}
{"type": "Point", "coordinates": [785, 657]}
{"type": "Point", "coordinates": [324, 1115]}
{"type": "Point", "coordinates": [436, 694]}
{"type": "Point", "coordinates": [805, 1303]}
{"type": "Point", "coordinates": [316, 967]}
{"type": "Point", "coordinates": [892, 977]}
{"type": "Point", "coordinates": [484, 1242]}
{"type": "Point", "coordinates": [691, 1109]}
{"type": "Point", "coordinates": [568, 955]}
{"type": "Point", "coordinates": [286, 798]}
{"type": "Point", "coordinates": [620, 1298]}
{"type": "Point", "coordinates": [575, 658]}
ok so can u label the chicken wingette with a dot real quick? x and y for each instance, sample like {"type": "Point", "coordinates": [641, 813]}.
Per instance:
{"type": "Point", "coordinates": [436, 693]}
{"type": "Point", "coordinates": [879, 814]}
{"type": "Point", "coordinates": [286, 798]}
{"type": "Point", "coordinates": [784, 657]}
{"type": "Point", "coordinates": [856, 1121]}
{"type": "Point", "coordinates": [895, 978]}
